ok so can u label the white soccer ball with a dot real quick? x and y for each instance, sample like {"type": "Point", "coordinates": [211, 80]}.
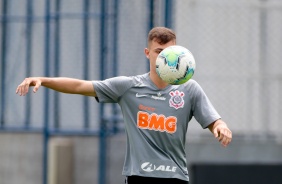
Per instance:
{"type": "Point", "coordinates": [175, 65]}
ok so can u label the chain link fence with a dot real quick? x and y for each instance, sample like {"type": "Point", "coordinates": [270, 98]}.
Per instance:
{"type": "Point", "coordinates": [237, 46]}
{"type": "Point", "coordinates": [236, 43]}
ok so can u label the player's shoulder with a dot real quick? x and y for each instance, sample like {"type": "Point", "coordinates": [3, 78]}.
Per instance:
{"type": "Point", "coordinates": [139, 80]}
{"type": "Point", "coordinates": [134, 80]}
{"type": "Point", "coordinates": [139, 76]}
{"type": "Point", "coordinates": [192, 85]}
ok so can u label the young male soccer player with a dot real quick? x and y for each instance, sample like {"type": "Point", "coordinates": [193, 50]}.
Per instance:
{"type": "Point", "coordinates": [156, 115]}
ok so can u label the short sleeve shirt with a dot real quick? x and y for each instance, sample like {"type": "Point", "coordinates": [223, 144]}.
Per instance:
{"type": "Point", "coordinates": [156, 122]}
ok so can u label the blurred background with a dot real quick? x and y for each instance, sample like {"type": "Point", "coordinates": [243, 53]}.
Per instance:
{"type": "Point", "coordinates": [49, 137]}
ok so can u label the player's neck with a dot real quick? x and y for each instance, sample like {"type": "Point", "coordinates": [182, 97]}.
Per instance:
{"type": "Point", "coordinates": [157, 80]}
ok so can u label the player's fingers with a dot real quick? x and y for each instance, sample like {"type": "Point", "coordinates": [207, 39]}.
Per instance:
{"type": "Point", "coordinates": [19, 89]}
{"type": "Point", "coordinates": [215, 133]}
{"type": "Point", "coordinates": [221, 135]}
{"type": "Point", "coordinates": [227, 138]}
{"type": "Point", "coordinates": [22, 89]}
{"type": "Point", "coordinates": [224, 140]}
{"type": "Point", "coordinates": [26, 86]}
{"type": "Point", "coordinates": [36, 87]}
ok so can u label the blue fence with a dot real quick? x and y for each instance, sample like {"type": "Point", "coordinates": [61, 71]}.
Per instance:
{"type": "Point", "coordinates": [42, 25]}
{"type": "Point", "coordinates": [236, 45]}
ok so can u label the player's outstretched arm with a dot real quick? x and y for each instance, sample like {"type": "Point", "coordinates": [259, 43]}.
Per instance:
{"type": "Point", "coordinates": [60, 84]}
{"type": "Point", "coordinates": [221, 132]}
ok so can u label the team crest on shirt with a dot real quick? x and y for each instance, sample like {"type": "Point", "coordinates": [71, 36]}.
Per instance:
{"type": "Point", "coordinates": [176, 99]}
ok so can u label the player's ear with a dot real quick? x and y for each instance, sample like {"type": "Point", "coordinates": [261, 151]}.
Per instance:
{"type": "Point", "coordinates": [146, 51]}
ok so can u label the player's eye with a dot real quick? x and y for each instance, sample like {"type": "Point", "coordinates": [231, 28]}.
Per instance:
{"type": "Point", "coordinates": [158, 51]}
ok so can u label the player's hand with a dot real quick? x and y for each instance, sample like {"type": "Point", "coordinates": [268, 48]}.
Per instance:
{"type": "Point", "coordinates": [222, 133]}
{"type": "Point", "coordinates": [23, 88]}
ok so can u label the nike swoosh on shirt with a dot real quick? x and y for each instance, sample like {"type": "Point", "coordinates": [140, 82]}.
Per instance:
{"type": "Point", "coordinates": [140, 95]}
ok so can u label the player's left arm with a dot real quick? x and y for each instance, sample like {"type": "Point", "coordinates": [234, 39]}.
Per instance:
{"type": "Point", "coordinates": [221, 132]}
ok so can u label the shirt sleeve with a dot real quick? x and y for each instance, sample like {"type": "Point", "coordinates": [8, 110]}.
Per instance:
{"type": "Point", "coordinates": [110, 90]}
{"type": "Point", "coordinates": [203, 110]}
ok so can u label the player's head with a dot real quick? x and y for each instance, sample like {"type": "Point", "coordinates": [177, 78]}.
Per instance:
{"type": "Point", "coordinates": [158, 39]}
{"type": "Point", "coordinates": [161, 35]}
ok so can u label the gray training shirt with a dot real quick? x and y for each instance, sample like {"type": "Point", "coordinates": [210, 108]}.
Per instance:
{"type": "Point", "coordinates": [156, 122]}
